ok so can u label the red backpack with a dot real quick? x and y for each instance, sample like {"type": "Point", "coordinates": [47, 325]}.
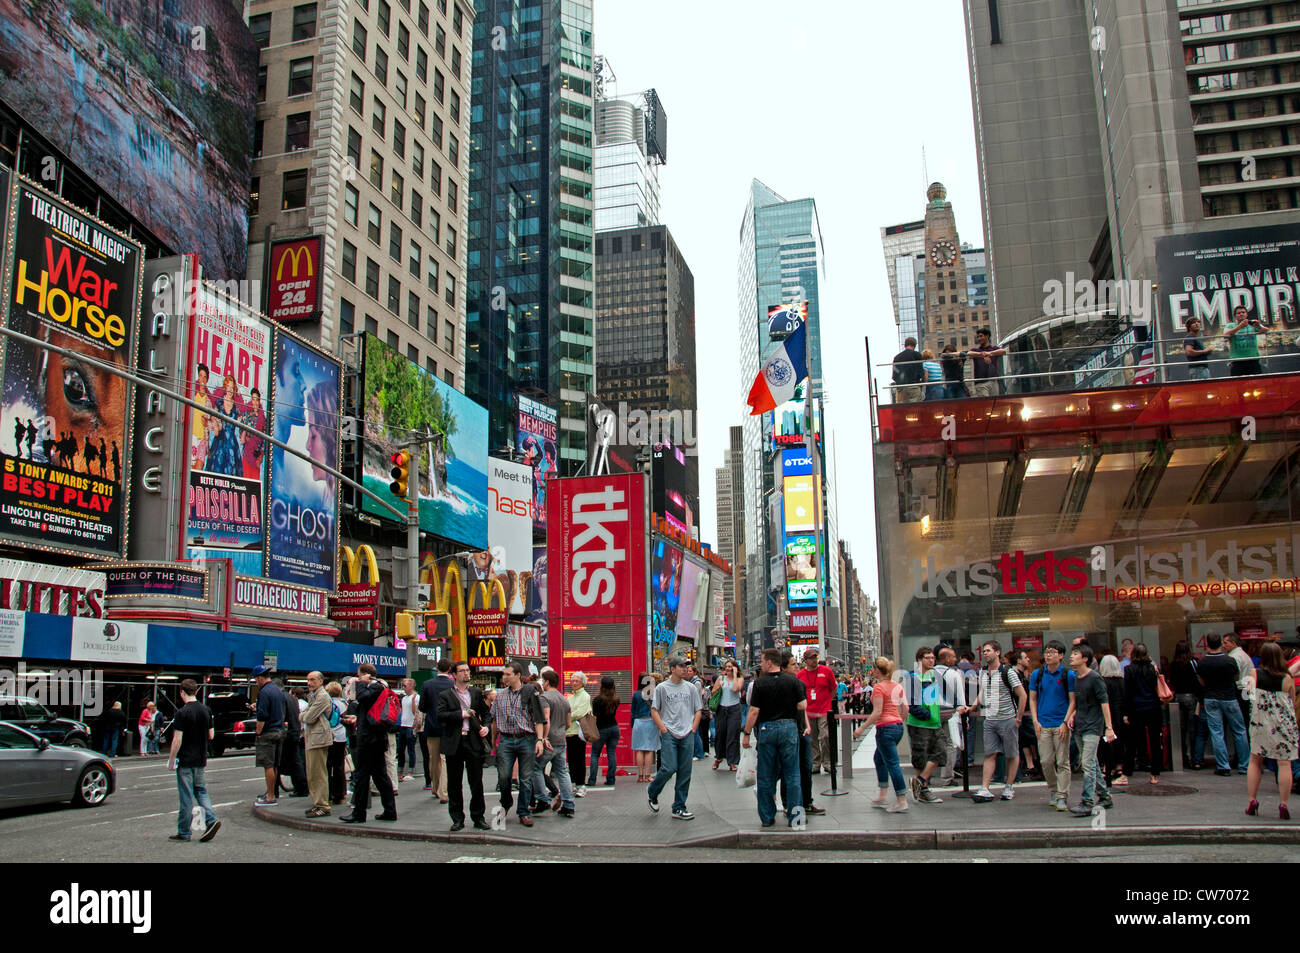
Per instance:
{"type": "Point", "coordinates": [387, 710]}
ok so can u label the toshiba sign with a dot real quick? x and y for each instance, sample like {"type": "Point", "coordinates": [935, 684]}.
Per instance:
{"type": "Point", "coordinates": [601, 541]}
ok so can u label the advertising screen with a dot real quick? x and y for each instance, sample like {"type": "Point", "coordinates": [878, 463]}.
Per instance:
{"type": "Point", "coordinates": [668, 474]}
{"type": "Point", "coordinates": [667, 567]}
{"type": "Point", "coordinates": [789, 422]}
{"type": "Point", "coordinates": [694, 599]}
{"type": "Point", "coordinates": [229, 371]}
{"type": "Point", "coordinates": [73, 283]}
{"type": "Point", "coordinates": [302, 499]}
{"type": "Point", "coordinates": [154, 102]}
{"type": "Point", "coordinates": [510, 526]}
{"type": "Point", "coordinates": [535, 609]}
{"type": "Point", "coordinates": [597, 595]}
{"type": "Point", "coordinates": [536, 436]}
{"type": "Point", "coordinates": [798, 500]}
{"type": "Point", "coordinates": [293, 293]}
{"type": "Point", "coordinates": [1209, 274]}
{"type": "Point", "coordinates": [403, 401]}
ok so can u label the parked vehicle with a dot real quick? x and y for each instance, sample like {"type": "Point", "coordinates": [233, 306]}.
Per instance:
{"type": "Point", "coordinates": [34, 771]}
{"type": "Point", "coordinates": [31, 715]}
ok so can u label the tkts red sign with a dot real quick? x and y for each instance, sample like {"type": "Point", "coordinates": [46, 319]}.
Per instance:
{"type": "Point", "coordinates": [601, 536]}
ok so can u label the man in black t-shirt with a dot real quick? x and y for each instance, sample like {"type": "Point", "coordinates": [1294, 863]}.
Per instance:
{"type": "Point", "coordinates": [1198, 365]}
{"type": "Point", "coordinates": [191, 732]}
{"type": "Point", "coordinates": [1219, 674]}
{"type": "Point", "coordinates": [774, 705]}
{"type": "Point", "coordinates": [908, 371]}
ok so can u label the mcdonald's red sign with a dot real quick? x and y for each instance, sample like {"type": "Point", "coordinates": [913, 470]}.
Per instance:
{"type": "Point", "coordinates": [293, 286]}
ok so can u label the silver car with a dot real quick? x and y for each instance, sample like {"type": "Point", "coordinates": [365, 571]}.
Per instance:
{"type": "Point", "coordinates": [33, 771]}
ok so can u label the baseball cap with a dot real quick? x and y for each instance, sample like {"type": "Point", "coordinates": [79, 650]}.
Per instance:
{"type": "Point", "coordinates": [261, 670]}
{"type": "Point", "coordinates": [677, 660]}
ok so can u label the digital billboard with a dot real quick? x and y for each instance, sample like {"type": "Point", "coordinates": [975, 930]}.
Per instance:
{"type": "Point", "coordinates": [801, 513]}
{"type": "Point", "coordinates": [694, 602]}
{"type": "Point", "coordinates": [668, 475]}
{"type": "Point", "coordinates": [789, 421]}
{"type": "Point", "coordinates": [302, 538]}
{"type": "Point", "coordinates": [667, 566]}
{"type": "Point", "coordinates": [537, 442]}
{"type": "Point", "coordinates": [510, 526]}
{"type": "Point", "coordinates": [74, 283]}
{"type": "Point", "coordinates": [229, 371]}
{"type": "Point", "coordinates": [154, 102]}
{"type": "Point", "coordinates": [402, 402]}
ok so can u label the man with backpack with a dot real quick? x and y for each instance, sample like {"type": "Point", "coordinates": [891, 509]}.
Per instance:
{"type": "Point", "coordinates": [1051, 693]}
{"type": "Point", "coordinates": [318, 740]}
{"type": "Point", "coordinates": [1002, 697]}
{"type": "Point", "coordinates": [924, 727]}
{"type": "Point", "coordinates": [379, 712]}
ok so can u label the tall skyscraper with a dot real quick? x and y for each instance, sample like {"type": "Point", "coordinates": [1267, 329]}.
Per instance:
{"type": "Point", "coordinates": [530, 302]}
{"type": "Point", "coordinates": [902, 244]}
{"type": "Point", "coordinates": [362, 138]}
{"type": "Point", "coordinates": [631, 145]}
{"type": "Point", "coordinates": [645, 335]}
{"type": "Point", "coordinates": [730, 491]}
{"type": "Point", "coordinates": [1153, 119]}
{"type": "Point", "coordinates": [780, 262]}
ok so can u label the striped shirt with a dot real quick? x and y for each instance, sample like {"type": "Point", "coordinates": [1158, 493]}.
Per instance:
{"type": "Point", "coordinates": [509, 714]}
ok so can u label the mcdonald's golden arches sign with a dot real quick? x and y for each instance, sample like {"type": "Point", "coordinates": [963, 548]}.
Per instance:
{"type": "Point", "coordinates": [294, 279]}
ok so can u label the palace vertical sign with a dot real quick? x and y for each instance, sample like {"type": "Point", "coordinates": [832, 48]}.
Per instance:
{"type": "Point", "coordinates": [294, 289]}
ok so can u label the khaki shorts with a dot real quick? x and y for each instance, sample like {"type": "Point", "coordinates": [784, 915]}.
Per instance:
{"type": "Point", "coordinates": [1001, 736]}
{"type": "Point", "coordinates": [267, 750]}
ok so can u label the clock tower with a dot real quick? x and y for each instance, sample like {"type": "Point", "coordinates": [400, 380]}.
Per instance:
{"type": "Point", "coordinates": [949, 317]}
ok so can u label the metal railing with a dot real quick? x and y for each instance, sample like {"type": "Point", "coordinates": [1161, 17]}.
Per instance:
{"type": "Point", "coordinates": [1023, 373]}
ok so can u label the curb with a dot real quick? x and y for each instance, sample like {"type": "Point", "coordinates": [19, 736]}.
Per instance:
{"type": "Point", "coordinates": [989, 839]}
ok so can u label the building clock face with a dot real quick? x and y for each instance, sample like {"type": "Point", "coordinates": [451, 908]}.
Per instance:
{"type": "Point", "coordinates": [943, 253]}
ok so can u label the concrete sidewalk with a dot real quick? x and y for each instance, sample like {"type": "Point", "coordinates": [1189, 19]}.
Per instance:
{"type": "Point", "coordinates": [1211, 811]}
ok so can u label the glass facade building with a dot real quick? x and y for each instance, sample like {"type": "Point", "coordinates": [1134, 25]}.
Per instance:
{"type": "Point", "coordinates": [531, 269]}
{"type": "Point", "coordinates": [1152, 514]}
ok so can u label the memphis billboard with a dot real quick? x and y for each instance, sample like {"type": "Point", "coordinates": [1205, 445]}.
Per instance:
{"type": "Point", "coordinates": [403, 402]}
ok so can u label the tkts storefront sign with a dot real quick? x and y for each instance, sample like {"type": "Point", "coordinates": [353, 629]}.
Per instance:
{"type": "Point", "coordinates": [1192, 569]}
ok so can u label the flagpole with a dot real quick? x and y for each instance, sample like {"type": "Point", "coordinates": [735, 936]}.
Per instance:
{"type": "Point", "coordinates": [810, 438]}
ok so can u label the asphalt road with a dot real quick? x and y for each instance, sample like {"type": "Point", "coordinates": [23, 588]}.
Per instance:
{"type": "Point", "coordinates": [135, 822]}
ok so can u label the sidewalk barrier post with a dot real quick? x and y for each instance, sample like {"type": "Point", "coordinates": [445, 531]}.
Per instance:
{"type": "Point", "coordinates": [965, 760]}
{"type": "Point", "coordinates": [830, 748]}
{"type": "Point", "coordinates": [847, 735]}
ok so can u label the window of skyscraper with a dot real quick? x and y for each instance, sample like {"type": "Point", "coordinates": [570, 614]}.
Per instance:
{"type": "Point", "coordinates": [449, 292]}
{"type": "Point", "coordinates": [434, 221]}
{"type": "Point", "coordinates": [381, 65]}
{"type": "Point", "coordinates": [457, 21]}
{"type": "Point", "coordinates": [451, 241]}
{"type": "Point", "coordinates": [399, 87]}
{"type": "Point", "coordinates": [259, 136]}
{"type": "Point", "coordinates": [453, 106]}
{"type": "Point", "coordinates": [294, 191]}
{"type": "Point", "coordinates": [422, 20]}
{"type": "Point", "coordinates": [449, 337]}
{"type": "Point", "coordinates": [354, 148]}
{"type": "Point", "coordinates": [432, 275]}
{"type": "Point", "coordinates": [440, 42]}
{"type": "Point", "coordinates": [435, 131]}
{"type": "Point", "coordinates": [399, 139]}
{"type": "Point", "coordinates": [413, 258]}
{"type": "Point", "coordinates": [378, 117]}
{"type": "Point", "coordinates": [413, 309]}
{"type": "Point", "coordinates": [421, 64]}
{"type": "Point", "coordinates": [348, 266]}
{"type": "Point", "coordinates": [254, 196]}
{"type": "Point", "coordinates": [435, 176]}
{"type": "Point", "coordinates": [412, 354]}
{"type": "Point", "coordinates": [398, 189]}
{"type": "Point", "coordinates": [359, 39]}
{"type": "Point", "coordinates": [357, 95]}
{"type": "Point", "coordinates": [384, 15]}
{"type": "Point", "coordinates": [403, 41]}
{"type": "Point", "coordinates": [394, 241]}
{"type": "Point", "coordinates": [450, 377]}
{"type": "Point", "coordinates": [431, 323]}
{"type": "Point", "coordinates": [394, 295]}
{"type": "Point", "coordinates": [347, 315]}
{"type": "Point", "coordinates": [351, 200]}
{"type": "Point", "coordinates": [304, 22]}
{"type": "Point", "coordinates": [372, 278]}
{"type": "Point", "coordinates": [430, 366]}
{"type": "Point", "coordinates": [374, 221]}
{"type": "Point", "coordinates": [261, 84]}
{"type": "Point", "coordinates": [417, 208]}
{"type": "Point", "coordinates": [300, 76]}
{"type": "Point", "coordinates": [376, 169]}
{"type": "Point", "coordinates": [453, 194]}
{"type": "Point", "coordinates": [439, 85]}
{"type": "Point", "coordinates": [260, 27]}
{"type": "Point", "coordinates": [419, 109]}
{"type": "Point", "coordinates": [297, 132]}
{"type": "Point", "coordinates": [455, 62]}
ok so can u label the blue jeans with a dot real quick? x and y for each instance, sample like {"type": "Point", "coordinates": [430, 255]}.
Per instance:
{"type": "Point", "coordinates": [521, 750]}
{"type": "Point", "coordinates": [1094, 782]}
{"type": "Point", "coordinates": [191, 786]}
{"type": "Point", "coordinates": [1198, 372]}
{"type": "Point", "coordinates": [405, 748]}
{"type": "Point", "coordinates": [887, 766]}
{"type": "Point", "coordinates": [609, 741]}
{"type": "Point", "coordinates": [1216, 711]}
{"type": "Point", "coordinates": [778, 757]}
{"type": "Point", "coordinates": [674, 758]}
{"type": "Point", "coordinates": [559, 762]}
{"type": "Point", "coordinates": [111, 738]}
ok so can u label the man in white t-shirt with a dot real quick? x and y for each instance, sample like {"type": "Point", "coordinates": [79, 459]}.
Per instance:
{"type": "Point", "coordinates": [406, 731]}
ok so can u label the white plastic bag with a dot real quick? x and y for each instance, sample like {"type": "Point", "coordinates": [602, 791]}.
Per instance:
{"type": "Point", "coordinates": [747, 771]}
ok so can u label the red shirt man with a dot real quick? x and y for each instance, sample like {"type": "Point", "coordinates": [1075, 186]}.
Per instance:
{"type": "Point", "coordinates": [820, 682]}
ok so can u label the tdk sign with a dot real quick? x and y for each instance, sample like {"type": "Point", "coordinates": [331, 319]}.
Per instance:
{"type": "Point", "coordinates": [795, 462]}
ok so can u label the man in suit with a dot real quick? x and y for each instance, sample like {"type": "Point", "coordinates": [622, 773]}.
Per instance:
{"type": "Point", "coordinates": [429, 693]}
{"type": "Point", "coordinates": [463, 717]}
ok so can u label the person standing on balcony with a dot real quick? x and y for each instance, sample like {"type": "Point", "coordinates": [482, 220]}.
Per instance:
{"type": "Point", "coordinates": [907, 374]}
{"type": "Point", "coordinates": [1198, 355]}
{"type": "Point", "coordinates": [984, 361]}
{"type": "Point", "coordinates": [1243, 343]}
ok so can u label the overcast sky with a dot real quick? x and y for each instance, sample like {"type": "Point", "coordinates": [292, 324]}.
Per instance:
{"type": "Point", "coordinates": [832, 100]}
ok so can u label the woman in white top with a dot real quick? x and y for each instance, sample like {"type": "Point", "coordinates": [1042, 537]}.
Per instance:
{"type": "Point", "coordinates": [727, 743]}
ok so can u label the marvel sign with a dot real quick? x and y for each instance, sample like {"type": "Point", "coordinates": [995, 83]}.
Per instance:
{"type": "Point", "coordinates": [803, 621]}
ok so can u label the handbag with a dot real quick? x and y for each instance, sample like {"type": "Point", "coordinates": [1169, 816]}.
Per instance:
{"type": "Point", "coordinates": [1163, 691]}
{"type": "Point", "coordinates": [590, 732]}
{"type": "Point", "coordinates": [715, 700]}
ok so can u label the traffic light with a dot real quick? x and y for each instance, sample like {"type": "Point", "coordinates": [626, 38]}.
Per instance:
{"type": "Point", "coordinates": [405, 627]}
{"type": "Point", "coordinates": [400, 473]}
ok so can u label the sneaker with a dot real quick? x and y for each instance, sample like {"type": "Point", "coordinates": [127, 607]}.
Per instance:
{"type": "Point", "coordinates": [1083, 809]}
{"type": "Point", "coordinates": [814, 811]}
{"type": "Point", "coordinates": [684, 815]}
{"type": "Point", "coordinates": [407, 777]}
{"type": "Point", "coordinates": [1106, 802]}
{"type": "Point", "coordinates": [211, 832]}
{"type": "Point", "coordinates": [929, 797]}
{"type": "Point", "coordinates": [263, 802]}
{"type": "Point", "coordinates": [566, 812]}
{"type": "Point", "coordinates": [917, 785]}
{"type": "Point", "coordinates": [654, 804]}
{"type": "Point", "coordinates": [1060, 804]}
{"type": "Point", "coordinates": [897, 808]}
{"type": "Point", "coordinates": [1222, 772]}
{"type": "Point", "coordinates": [982, 796]}
{"type": "Point", "coordinates": [581, 791]}
{"type": "Point", "coordinates": [178, 837]}
{"type": "Point", "coordinates": [1008, 793]}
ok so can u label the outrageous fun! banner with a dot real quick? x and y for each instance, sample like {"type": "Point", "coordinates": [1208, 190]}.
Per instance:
{"type": "Point", "coordinates": [230, 349]}
{"type": "Point", "coordinates": [303, 504]}
{"type": "Point", "coordinates": [65, 425]}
